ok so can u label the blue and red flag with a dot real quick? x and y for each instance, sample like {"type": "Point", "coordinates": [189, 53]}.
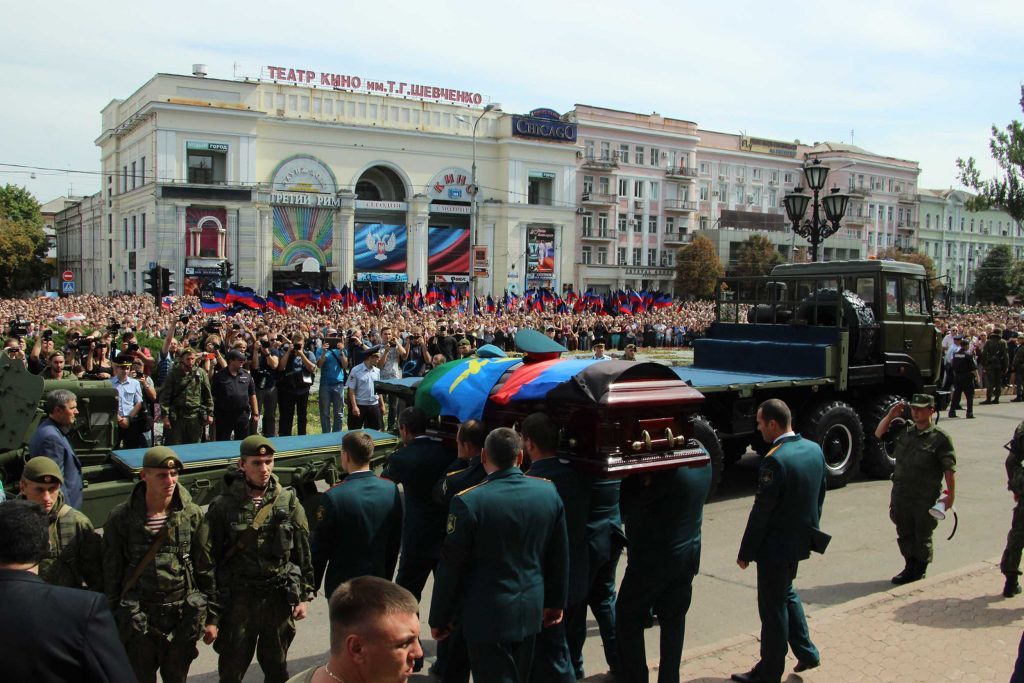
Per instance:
{"type": "Point", "coordinates": [534, 381]}
{"type": "Point", "coordinates": [167, 302]}
{"type": "Point", "coordinates": [276, 302]}
{"type": "Point", "coordinates": [209, 306]}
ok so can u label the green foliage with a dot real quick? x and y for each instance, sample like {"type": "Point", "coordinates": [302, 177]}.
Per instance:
{"type": "Point", "coordinates": [19, 206]}
{"type": "Point", "coordinates": [697, 269]}
{"type": "Point", "coordinates": [22, 242]}
{"type": "Point", "coordinates": [1006, 192]}
{"type": "Point", "coordinates": [918, 258]}
{"type": "Point", "coordinates": [757, 257]}
{"type": "Point", "coordinates": [992, 282]}
{"type": "Point", "coordinates": [1016, 279]}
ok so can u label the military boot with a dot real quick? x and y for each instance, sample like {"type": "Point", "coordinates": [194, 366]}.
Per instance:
{"type": "Point", "coordinates": [901, 578]}
{"type": "Point", "coordinates": [1012, 587]}
{"type": "Point", "coordinates": [915, 571]}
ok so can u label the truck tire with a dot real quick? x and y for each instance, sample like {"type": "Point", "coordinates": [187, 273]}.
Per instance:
{"type": "Point", "coordinates": [835, 427]}
{"type": "Point", "coordinates": [878, 462]}
{"type": "Point", "coordinates": [706, 435]}
{"type": "Point", "coordinates": [863, 325]}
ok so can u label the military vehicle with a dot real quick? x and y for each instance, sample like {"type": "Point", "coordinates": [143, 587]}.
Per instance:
{"type": "Point", "coordinates": [308, 463]}
{"type": "Point", "coordinates": [839, 342]}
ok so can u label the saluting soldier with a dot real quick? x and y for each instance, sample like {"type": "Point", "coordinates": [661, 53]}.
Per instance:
{"type": "Point", "coordinates": [157, 572]}
{"type": "Point", "coordinates": [260, 541]}
{"type": "Point", "coordinates": [995, 358]}
{"type": "Point", "coordinates": [186, 401]}
{"type": "Point", "coordinates": [75, 556]}
{"type": "Point", "coordinates": [1010, 563]}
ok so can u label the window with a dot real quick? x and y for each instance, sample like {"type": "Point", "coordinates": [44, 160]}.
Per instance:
{"type": "Point", "coordinates": [655, 156]}
{"type": "Point", "coordinates": [624, 154]}
{"type": "Point", "coordinates": [588, 184]}
{"type": "Point", "coordinates": [915, 298]}
{"type": "Point", "coordinates": [871, 211]}
{"type": "Point", "coordinates": [638, 189]}
{"type": "Point", "coordinates": [652, 257]}
{"type": "Point", "coordinates": [787, 178]}
{"type": "Point", "coordinates": [652, 225]}
{"type": "Point", "coordinates": [134, 179]}
{"type": "Point", "coordinates": [637, 256]}
{"type": "Point", "coordinates": [891, 300]}
{"type": "Point", "coordinates": [588, 149]}
{"type": "Point", "coordinates": [704, 222]}
{"type": "Point", "coordinates": [623, 187]}
{"type": "Point", "coordinates": [602, 224]}
{"type": "Point", "coordinates": [124, 179]}
{"type": "Point", "coordinates": [890, 184]}
{"type": "Point", "coordinates": [142, 165]}
{"type": "Point", "coordinates": [723, 170]}
{"type": "Point", "coordinates": [638, 224]}
{"type": "Point", "coordinates": [603, 185]}
{"type": "Point", "coordinates": [606, 150]}
{"type": "Point", "coordinates": [773, 198]}
{"type": "Point", "coordinates": [622, 224]}
{"type": "Point", "coordinates": [622, 256]}
{"type": "Point", "coordinates": [143, 231]}
{"type": "Point", "coordinates": [124, 237]}
{"type": "Point", "coordinates": [723, 192]}
{"type": "Point", "coordinates": [540, 189]}
{"type": "Point", "coordinates": [773, 177]}
{"type": "Point", "coordinates": [206, 166]}
{"type": "Point", "coordinates": [670, 225]}
{"type": "Point", "coordinates": [655, 189]}
{"type": "Point", "coordinates": [639, 155]}
{"type": "Point", "coordinates": [755, 173]}
{"type": "Point", "coordinates": [110, 223]}
{"type": "Point", "coordinates": [890, 214]}
{"type": "Point", "coordinates": [135, 232]}
{"type": "Point", "coordinates": [669, 257]}
{"type": "Point", "coordinates": [705, 168]}
{"type": "Point", "coordinates": [588, 224]}
{"type": "Point", "coordinates": [585, 256]}
{"type": "Point", "coordinates": [741, 173]}
{"type": "Point", "coordinates": [927, 220]}
{"type": "Point", "coordinates": [602, 256]}
{"type": "Point", "coordinates": [740, 194]}
{"type": "Point", "coordinates": [756, 193]}
{"type": "Point", "coordinates": [704, 192]}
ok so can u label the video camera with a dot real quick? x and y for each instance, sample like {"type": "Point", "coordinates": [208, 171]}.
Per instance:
{"type": "Point", "coordinates": [113, 327]}
{"type": "Point", "coordinates": [212, 326]}
{"type": "Point", "coordinates": [17, 328]}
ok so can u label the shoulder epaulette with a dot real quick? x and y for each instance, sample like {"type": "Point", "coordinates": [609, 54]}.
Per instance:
{"type": "Point", "coordinates": [465, 491]}
{"type": "Point", "coordinates": [534, 476]}
{"type": "Point", "coordinates": [458, 471]}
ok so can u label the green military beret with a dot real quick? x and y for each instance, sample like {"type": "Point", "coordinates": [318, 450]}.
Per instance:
{"type": "Point", "coordinates": [922, 401]}
{"type": "Point", "coordinates": [42, 470]}
{"type": "Point", "coordinates": [465, 342]}
{"type": "Point", "coordinates": [185, 350]}
{"type": "Point", "coordinates": [161, 457]}
{"type": "Point", "coordinates": [255, 445]}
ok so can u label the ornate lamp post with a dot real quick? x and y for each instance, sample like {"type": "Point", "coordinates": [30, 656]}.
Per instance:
{"type": "Point", "coordinates": [816, 230]}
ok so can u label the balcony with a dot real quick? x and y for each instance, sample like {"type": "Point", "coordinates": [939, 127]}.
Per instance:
{"type": "Point", "coordinates": [908, 198]}
{"type": "Point", "coordinates": [678, 206]}
{"type": "Point", "coordinates": [598, 235]}
{"type": "Point", "coordinates": [684, 172]}
{"type": "Point", "coordinates": [597, 199]}
{"type": "Point", "coordinates": [858, 191]}
{"type": "Point", "coordinates": [909, 226]}
{"type": "Point", "coordinates": [601, 163]}
{"type": "Point", "coordinates": [678, 237]}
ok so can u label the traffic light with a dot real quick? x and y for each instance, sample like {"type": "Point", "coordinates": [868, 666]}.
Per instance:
{"type": "Point", "coordinates": [151, 278]}
{"type": "Point", "coordinates": [227, 270]}
{"type": "Point", "coordinates": [166, 281]}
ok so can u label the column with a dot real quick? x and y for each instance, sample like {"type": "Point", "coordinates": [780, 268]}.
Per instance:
{"type": "Point", "coordinates": [344, 239]}
{"type": "Point", "coordinates": [418, 220]}
{"type": "Point", "coordinates": [264, 261]}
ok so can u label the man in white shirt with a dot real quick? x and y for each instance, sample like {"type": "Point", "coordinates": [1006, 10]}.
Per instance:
{"type": "Point", "coordinates": [129, 403]}
{"type": "Point", "coordinates": [366, 409]}
{"type": "Point", "coordinates": [599, 352]}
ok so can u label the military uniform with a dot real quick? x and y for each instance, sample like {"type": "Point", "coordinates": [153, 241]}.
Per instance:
{"type": "Point", "coordinates": [232, 411]}
{"type": "Point", "coordinates": [500, 596]}
{"type": "Point", "coordinates": [1010, 563]}
{"type": "Point", "coordinates": [461, 475]}
{"type": "Point", "coordinates": [74, 557]}
{"type": "Point", "coordinates": [262, 580]}
{"type": "Point", "coordinates": [187, 399]}
{"type": "Point", "coordinates": [358, 531]}
{"type": "Point", "coordinates": [1018, 371]}
{"type": "Point", "coordinates": [663, 514]}
{"type": "Point", "coordinates": [551, 659]}
{"type": "Point", "coordinates": [995, 359]}
{"type": "Point", "coordinates": [162, 615]}
{"type": "Point", "coordinates": [963, 368]}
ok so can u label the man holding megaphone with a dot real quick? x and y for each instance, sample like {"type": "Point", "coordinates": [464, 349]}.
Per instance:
{"type": "Point", "coordinates": [924, 457]}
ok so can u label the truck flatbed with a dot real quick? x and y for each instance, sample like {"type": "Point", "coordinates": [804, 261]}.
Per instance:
{"type": "Point", "coordinates": [711, 380]}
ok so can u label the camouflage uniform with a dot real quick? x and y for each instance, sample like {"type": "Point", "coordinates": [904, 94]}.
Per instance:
{"type": "Point", "coordinates": [262, 582]}
{"type": "Point", "coordinates": [186, 397]}
{"type": "Point", "coordinates": [162, 616]}
{"type": "Point", "coordinates": [995, 359]}
{"type": "Point", "coordinates": [75, 555]}
{"type": "Point", "coordinates": [1010, 564]}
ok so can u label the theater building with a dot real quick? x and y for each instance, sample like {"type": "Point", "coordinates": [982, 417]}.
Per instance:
{"type": "Point", "coordinates": [312, 177]}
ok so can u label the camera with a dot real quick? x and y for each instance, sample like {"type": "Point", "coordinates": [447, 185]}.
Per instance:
{"type": "Point", "coordinates": [17, 328]}
{"type": "Point", "coordinates": [184, 318]}
{"type": "Point", "coordinates": [47, 334]}
{"type": "Point", "coordinates": [286, 347]}
{"type": "Point", "coordinates": [393, 343]}
{"type": "Point", "coordinates": [133, 347]}
{"type": "Point", "coordinates": [113, 327]}
{"type": "Point", "coordinates": [236, 326]}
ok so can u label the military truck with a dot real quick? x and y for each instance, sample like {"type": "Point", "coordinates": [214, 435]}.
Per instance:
{"type": "Point", "coordinates": [839, 342]}
{"type": "Point", "coordinates": [308, 463]}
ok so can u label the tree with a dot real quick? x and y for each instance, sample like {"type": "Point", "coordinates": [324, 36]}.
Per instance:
{"type": "Point", "coordinates": [1017, 279]}
{"type": "Point", "coordinates": [915, 257]}
{"type": "Point", "coordinates": [698, 269]}
{"type": "Point", "coordinates": [992, 280]}
{"type": "Point", "coordinates": [19, 206]}
{"type": "Point", "coordinates": [22, 242]}
{"type": "Point", "coordinates": [1007, 192]}
{"type": "Point", "coordinates": [757, 257]}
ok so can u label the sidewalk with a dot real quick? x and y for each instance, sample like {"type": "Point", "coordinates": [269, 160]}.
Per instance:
{"type": "Point", "coordinates": [951, 627]}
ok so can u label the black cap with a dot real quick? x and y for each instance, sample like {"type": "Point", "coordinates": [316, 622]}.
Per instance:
{"type": "Point", "coordinates": [373, 350]}
{"type": "Point", "coordinates": [124, 359]}
{"type": "Point", "coordinates": [234, 354]}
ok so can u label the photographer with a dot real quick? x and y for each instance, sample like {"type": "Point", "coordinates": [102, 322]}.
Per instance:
{"type": "Point", "coordinates": [13, 349]}
{"type": "Point", "coordinates": [95, 362]}
{"type": "Point", "coordinates": [265, 358]}
{"type": "Point", "coordinates": [417, 357]}
{"type": "Point", "coordinates": [42, 347]}
{"type": "Point", "coordinates": [332, 362]}
{"type": "Point", "coordinates": [393, 355]}
{"type": "Point", "coordinates": [295, 379]}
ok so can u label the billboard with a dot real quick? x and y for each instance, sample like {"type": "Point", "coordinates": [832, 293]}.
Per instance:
{"type": "Point", "coordinates": [301, 233]}
{"type": "Point", "coordinates": [540, 251]}
{"type": "Point", "coordinates": [448, 250]}
{"type": "Point", "coordinates": [380, 247]}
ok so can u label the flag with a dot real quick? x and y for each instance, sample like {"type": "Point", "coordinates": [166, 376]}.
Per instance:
{"type": "Point", "coordinates": [275, 302]}
{"type": "Point", "coordinates": [534, 381]}
{"type": "Point", "coordinates": [209, 306]}
{"type": "Point", "coordinates": [167, 302]}
{"type": "Point", "coordinates": [219, 295]}
{"type": "Point", "coordinates": [298, 296]}
{"type": "Point", "coordinates": [460, 388]}
{"type": "Point", "coordinates": [490, 304]}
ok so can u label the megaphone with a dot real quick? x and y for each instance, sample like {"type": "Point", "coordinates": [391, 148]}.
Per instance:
{"type": "Point", "coordinates": [938, 511]}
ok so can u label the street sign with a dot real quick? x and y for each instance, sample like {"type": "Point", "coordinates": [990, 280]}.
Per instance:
{"type": "Point", "coordinates": [69, 287]}
{"type": "Point", "coordinates": [68, 276]}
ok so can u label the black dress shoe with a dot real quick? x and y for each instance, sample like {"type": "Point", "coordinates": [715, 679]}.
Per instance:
{"type": "Point", "coordinates": [751, 677]}
{"type": "Point", "coordinates": [804, 666]}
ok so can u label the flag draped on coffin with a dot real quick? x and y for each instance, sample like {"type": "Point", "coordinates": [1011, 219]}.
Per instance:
{"type": "Point", "coordinates": [534, 381]}
{"type": "Point", "coordinates": [459, 388]}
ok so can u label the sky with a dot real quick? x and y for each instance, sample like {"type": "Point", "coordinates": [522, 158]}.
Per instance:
{"type": "Point", "coordinates": [923, 81]}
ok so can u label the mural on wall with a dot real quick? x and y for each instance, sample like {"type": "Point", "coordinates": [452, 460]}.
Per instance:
{"type": "Point", "coordinates": [380, 247]}
{"type": "Point", "coordinates": [448, 250]}
{"type": "Point", "coordinates": [210, 222]}
{"type": "Point", "coordinates": [301, 232]}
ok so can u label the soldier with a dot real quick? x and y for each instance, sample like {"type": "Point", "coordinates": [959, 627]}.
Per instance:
{"type": "Point", "coordinates": [995, 359]}
{"type": "Point", "coordinates": [964, 370]}
{"type": "Point", "coordinates": [924, 456]}
{"type": "Point", "coordinates": [359, 521]}
{"type": "Point", "coordinates": [74, 557]}
{"type": "Point", "coordinates": [1018, 372]}
{"type": "Point", "coordinates": [1010, 564]}
{"type": "Point", "coordinates": [56, 368]}
{"type": "Point", "coordinates": [186, 401]}
{"type": "Point", "coordinates": [157, 572]}
{"type": "Point", "coordinates": [260, 541]}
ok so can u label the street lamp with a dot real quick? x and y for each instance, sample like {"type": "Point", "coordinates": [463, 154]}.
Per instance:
{"type": "Point", "coordinates": [472, 189]}
{"type": "Point", "coordinates": [834, 203]}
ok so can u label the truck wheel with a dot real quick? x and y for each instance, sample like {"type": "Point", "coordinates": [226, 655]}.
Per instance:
{"type": "Point", "coordinates": [878, 462]}
{"type": "Point", "coordinates": [836, 428]}
{"type": "Point", "coordinates": [704, 433]}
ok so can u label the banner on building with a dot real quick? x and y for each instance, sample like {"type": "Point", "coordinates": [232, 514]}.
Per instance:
{"type": "Point", "coordinates": [448, 250]}
{"type": "Point", "coordinates": [481, 261]}
{"type": "Point", "coordinates": [380, 247]}
{"type": "Point", "coordinates": [540, 251]}
{"type": "Point", "coordinates": [302, 232]}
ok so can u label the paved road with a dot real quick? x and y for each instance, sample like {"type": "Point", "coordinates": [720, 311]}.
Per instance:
{"type": "Point", "coordinates": [860, 560]}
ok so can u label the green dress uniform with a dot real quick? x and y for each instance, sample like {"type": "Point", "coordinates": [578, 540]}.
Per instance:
{"type": "Point", "coordinates": [995, 358]}
{"type": "Point", "coordinates": [261, 582]}
{"type": "Point", "coordinates": [358, 531]}
{"type": "Point", "coordinates": [461, 475]}
{"type": "Point", "coordinates": [504, 561]}
{"type": "Point", "coordinates": [1010, 563]}
{"type": "Point", "coordinates": [663, 513]}
{"type": "Point", "coordinates": [787, 509]}
{"type": "Point", "coordinates": [922, 457]}
{"type": "Point", "coordinates": [162, 616]}
{"type": "Point", "coordinates": [551, 658]}
{"type": "Point", "coordinates": [187, 399]}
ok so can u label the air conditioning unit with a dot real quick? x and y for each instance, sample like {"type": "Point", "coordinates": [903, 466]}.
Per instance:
{"type": "Point", "coordinates": [631, 222]}
{"type": "Point", "coordinates": [750, 199]}
{"type": "Point", "coordinates": [581, 211]}
{"type": "Point", "coordinates": [579, 155]}
{"type": "Point", "coordinates": [586, 197]}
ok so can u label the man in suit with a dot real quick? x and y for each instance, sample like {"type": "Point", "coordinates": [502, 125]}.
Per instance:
{"type": "Point", "coordinates": [85, 647]}
{"type": "Point", "coordinates": [663, 513]}
{"type": "Point", "coordinates": [552, 660]}
{"type": "Point", "coordinates": [779, 533]}
{"type": "Point", "coordinates": [502, 599]}
{"type": "Point", "coordinates": [359, 521]}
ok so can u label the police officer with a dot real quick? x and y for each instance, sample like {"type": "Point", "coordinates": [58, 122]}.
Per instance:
{"type": "Point", "coordinates": [365, 407]}
{"type": "Point", "coordinates": [1010, 563]}
{"type": "Point", "coordinates": [260, 544]}
{"type": "Point", "coordinates": [74, 557]}
{"type": "Point", "coordinates": [964, 370]}
{"type": "Point", "coordinates": [186, 401]}
{"type": "Point", "coordinates": [924, 457]}
{"type": "Point", "coordinates": [235, 410]}
{"type": "Point", "coordinates": [157, 572]}
{"type": "Point", "coordinates": [995, 359]}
